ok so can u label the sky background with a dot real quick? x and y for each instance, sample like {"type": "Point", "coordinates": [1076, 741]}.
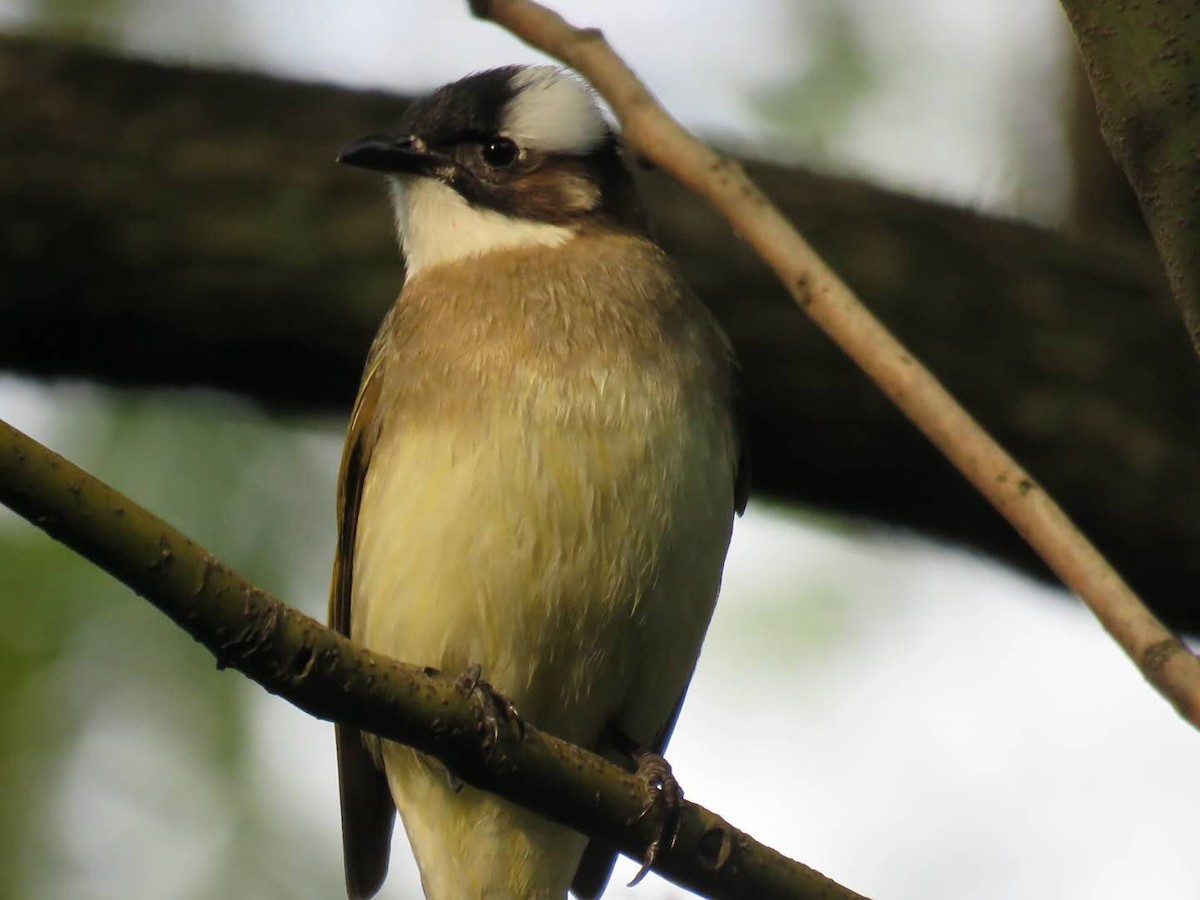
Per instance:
{"type": "Point", "coordinates": [912, 720]}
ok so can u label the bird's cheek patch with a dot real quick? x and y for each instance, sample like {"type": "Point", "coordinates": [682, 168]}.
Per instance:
{"type": "Point", "coordinates": [579, 194]}
{"type": "Point", "coordinates": [558, 195]}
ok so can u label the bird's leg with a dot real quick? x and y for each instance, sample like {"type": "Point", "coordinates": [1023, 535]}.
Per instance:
{"type": "Point", "coordinates": [495, 708]}
{"type": "Point", "coordinates": [663, 794]}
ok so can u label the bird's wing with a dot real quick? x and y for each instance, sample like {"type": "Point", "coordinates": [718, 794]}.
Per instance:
{"type": "Point", "coordinates": [367, 809]}
{"type": "Point", "coordinates": [741, 472]}
{"type": "Point", "coordinates": [600, 856]}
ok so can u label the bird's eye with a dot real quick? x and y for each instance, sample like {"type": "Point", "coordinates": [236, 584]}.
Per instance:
{"type": "Point", "coordinates": [499, 152]}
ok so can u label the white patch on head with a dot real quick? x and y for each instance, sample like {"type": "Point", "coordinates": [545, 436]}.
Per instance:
{"type": "Point", "coordinates": [436, 225]}
{"type": "Point", "coordinates": [552, 111]}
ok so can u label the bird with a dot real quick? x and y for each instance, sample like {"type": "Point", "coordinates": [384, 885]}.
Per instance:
{"type": "Point", "coordinates": [540, 477]}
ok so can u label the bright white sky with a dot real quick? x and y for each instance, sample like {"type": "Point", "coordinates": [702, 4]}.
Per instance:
{"type": "Point", "coordinates": [950, 730]}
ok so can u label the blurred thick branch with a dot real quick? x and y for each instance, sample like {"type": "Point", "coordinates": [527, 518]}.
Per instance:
{"type": "Point", "coordinates": [322, 673]}
{"type": "Point", "coordinates": [163, 226]}
{"type": "Point", "coordinates": [1143, 62]}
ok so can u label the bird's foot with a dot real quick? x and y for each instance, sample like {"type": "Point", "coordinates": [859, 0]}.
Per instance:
{"type": "Point", "coordinates": [496, 710]}
{"type": "Point", "coordinates": [663, 794]}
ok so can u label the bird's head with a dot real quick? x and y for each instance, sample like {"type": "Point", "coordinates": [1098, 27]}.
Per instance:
{"type": "Point", "coordinates": [500, 159]}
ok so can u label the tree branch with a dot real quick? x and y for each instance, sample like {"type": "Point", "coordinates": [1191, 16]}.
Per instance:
{"type": "Point", "coordinates": [322, 673]}
{"type": "Point", "coordinates": [1143, 62]}
{"type": "Point", "coordinates": [1162, 658]}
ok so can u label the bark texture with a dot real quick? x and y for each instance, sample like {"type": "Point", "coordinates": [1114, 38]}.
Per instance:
{"type": "Point", "coordinates": [1143, 63]}
{"type": "Point", "coordinates": [167, 226]}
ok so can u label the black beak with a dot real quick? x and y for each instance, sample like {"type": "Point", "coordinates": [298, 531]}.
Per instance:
{"type": "Point", "coordinates": [389, 153]}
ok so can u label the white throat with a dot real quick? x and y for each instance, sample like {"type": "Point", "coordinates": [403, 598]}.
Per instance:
{"type": "Point", "coordinates": [436, 226]}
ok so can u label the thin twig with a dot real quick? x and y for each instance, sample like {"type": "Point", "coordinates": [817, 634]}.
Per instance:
{"type": "Point", "coordinates": [322, 673]}
{"type": "Point", "coordinates": [1162, 658]}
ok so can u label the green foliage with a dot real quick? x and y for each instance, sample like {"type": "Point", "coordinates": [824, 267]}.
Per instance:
{"type": "Point", "coordinates": [809, 109]}
{"type": "Point", "coordinates": [130, 767]}
{"type": "Point", "coordinates": [89, 21]}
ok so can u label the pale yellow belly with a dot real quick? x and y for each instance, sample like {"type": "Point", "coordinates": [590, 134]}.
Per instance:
{"type": "Point", "coordinates": [577, 565]}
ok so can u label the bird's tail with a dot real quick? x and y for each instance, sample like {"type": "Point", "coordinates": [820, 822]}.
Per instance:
{"type": "Point", "coordinates": [469, 844]}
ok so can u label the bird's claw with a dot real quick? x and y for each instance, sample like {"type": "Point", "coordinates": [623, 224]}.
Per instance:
{"type": "Point", "coordinates": [495, 708]}
{"type": "Point", "coordinates": [662, 793]}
